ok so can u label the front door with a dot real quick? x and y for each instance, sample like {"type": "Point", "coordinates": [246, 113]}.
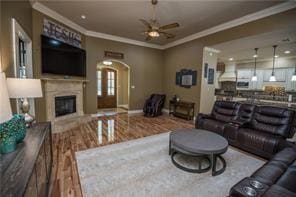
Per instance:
{"type": "Point", "coordinates": [107, 89]}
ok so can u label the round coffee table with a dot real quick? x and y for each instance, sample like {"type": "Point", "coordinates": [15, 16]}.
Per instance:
{"type": "Point", "coordinates": [206, 145]}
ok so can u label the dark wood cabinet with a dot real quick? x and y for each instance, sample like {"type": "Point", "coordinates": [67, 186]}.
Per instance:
{"type": "Point", "coordinates": [26, 171]}
{"type": "Point", "coordinates": [182, 109]}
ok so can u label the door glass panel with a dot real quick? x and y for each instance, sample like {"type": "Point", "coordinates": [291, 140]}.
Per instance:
{"type": "Point", "coordinates": [100, 131]}
{"type": "Point", "coordinates": [110, 130]}
{"type": "Point", "coordinates": [99, 77]}
{"type": "Point", "coordinates": [111, 83]}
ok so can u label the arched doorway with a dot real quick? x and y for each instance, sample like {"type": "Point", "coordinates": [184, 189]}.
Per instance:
{"type": "Point", "coordinates": [113, 78]}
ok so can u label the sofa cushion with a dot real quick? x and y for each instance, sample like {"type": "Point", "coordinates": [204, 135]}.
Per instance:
{"type": "Point", "coordinates": [287, 156]}
{"type": "Point", "coordinates": [214, 126]}
{"type": "Point", "coordinates": [225, 110]}
{"type": "Point", "coordinates": [245, 112]}
{"type": "Point", "coordinates": [273, 120]}
{"type": "Point", "coordinates": [270, 173]}
{"type": "Point", "coordinates": [276, 191]}
{"type": "Point", "coordinates": [258, 140]}
{"type": "Point", "coordinates": [288, 179]}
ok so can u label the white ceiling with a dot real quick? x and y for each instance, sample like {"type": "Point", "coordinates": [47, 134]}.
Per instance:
{"type": "Point", "coordinates": [242, 50]}
{"type": "Point", "coordinates": [121, 17]}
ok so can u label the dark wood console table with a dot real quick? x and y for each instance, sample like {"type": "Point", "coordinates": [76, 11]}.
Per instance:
{"type": "Point", "coordinates": [188, 108]}
{"type": "Point", "coordinates": [26, 171]}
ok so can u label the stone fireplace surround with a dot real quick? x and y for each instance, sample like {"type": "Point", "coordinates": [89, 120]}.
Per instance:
{"type": "Point", "coordinates": [63, 87]}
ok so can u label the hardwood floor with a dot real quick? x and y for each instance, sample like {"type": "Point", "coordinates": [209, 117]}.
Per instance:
{"type": "Point", "coordinates": [100, 131]}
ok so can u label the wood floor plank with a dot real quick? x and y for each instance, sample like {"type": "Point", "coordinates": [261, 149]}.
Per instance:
{"type": "Point", "coordinates": [114, 129]}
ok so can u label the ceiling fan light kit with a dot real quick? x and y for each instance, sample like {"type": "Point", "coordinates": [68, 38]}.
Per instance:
{"type": "Point", "coordinates": [154, 29]}
{"type": "Point", "coordinates": [153, 34]}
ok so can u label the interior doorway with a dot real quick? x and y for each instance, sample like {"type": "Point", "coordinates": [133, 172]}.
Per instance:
{"type": "Point", "coordinates": [107, 93]}
{"type": "Point", "coordinates": [113, 85]}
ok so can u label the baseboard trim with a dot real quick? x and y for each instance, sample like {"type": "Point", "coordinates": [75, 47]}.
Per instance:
{"type": "Point", "coordinates": [138, 111]}
{"type": "Point", "coordinates": [165, 111]}
{"type": "Point", "coordinates": [123, 106]}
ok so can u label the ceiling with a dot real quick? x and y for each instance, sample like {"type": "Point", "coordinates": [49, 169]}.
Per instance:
{"type": "Point", "coordinates": [242, 50]}
{"type": "Point", "coordinates": [121, 17]}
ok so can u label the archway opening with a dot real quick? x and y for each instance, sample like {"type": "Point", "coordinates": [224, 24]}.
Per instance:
{"type": "Point", "coordinates": [113, 81]}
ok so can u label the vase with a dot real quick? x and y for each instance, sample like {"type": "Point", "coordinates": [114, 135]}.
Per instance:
{"type": "Point", "coordinates": [12, 132]}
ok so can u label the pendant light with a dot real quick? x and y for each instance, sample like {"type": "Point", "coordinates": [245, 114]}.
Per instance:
{"type": "Point", "coordinates": [254, 78]}
{"type": "Point", "coordinates": [294, 75]}
{"type": "Point", "coordinates": [272, 77]}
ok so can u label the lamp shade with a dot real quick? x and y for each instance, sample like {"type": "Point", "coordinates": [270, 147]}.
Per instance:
{"type": "Point", "coordinates": [24, 88]}
{"type": "Point", "coordinates": [254, 78]}
{"type": "Point", "coordinates": [5, 108]}
{"type": "Point", "coordinates": [272, 78]}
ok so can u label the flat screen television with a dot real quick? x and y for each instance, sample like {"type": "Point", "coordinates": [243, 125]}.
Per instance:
{"type": "Point", "coordinates": [61, 58]}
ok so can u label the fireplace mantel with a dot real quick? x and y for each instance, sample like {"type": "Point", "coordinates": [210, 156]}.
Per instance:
{"type": "Point", "coordinates": [62, 87]}
{"type": "Point", "coordinates": [65, 80]}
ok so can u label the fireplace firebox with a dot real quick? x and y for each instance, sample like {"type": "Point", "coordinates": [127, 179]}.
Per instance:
{"type": "Point", "coordinates": [65, 105]}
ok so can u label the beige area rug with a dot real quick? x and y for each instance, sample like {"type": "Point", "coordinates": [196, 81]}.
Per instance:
{"type": "Point", "coordinates": [142, 167]}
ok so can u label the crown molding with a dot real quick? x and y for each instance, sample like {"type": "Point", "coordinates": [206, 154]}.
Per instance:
{"type": "Point", "coordinates": [122, 39]}
{"type": "Point", "coordinates": [236, 22]}
{"type": "Point", "coordinates": [209, 49]}
{"type": "Point", "coordinates": [53, 14]}
{"type": "Point", "coordinates": [264, 60]}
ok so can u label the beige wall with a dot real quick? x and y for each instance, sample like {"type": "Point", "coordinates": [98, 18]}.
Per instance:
{"type": "Point", "coordinates": [122, 81]}
{"type": "Point", "coordinates": [207, 92]}
{"type": "Point", "coordinates": [22, 12]}
{"type": "Point", "coordinates": [152, 70]}
{"type": "Point", "coordinates": [189, 55]}
{"type": "Point", "coordinates": [145, 70]}
{"type": "Point", "coordinates": [37, 18]}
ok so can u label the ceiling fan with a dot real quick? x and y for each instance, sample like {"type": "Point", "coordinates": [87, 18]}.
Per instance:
{"type": "Point", "coordinates": [154, 29]}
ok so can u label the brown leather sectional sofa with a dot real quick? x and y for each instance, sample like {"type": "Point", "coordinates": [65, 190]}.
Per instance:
{"type": "Point", "coordinates": [277, 178]}
{"type": "Point", "coordinates": [261, 130]}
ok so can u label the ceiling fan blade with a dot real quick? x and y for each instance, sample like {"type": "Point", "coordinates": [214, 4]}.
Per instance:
{"type": "Point", "coordinates": [167, 35]}
{"type": "Point", "coordinates": [148, 38]}
{"type": "Point", "coordinates": [170, 26]}
{"type": "Point", "coordinates": [145, 23]}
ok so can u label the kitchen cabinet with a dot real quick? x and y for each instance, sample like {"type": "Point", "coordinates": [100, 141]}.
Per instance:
{"type": "Point", "coordinates": [290, 85]}
{"type": "Point", "coordinates": [280, 74]}
{"type": "Point", "coordinates": [257, 85]}
{"type": "Point", "coordinates": [244, 74]}
{"type": "Point", "coordinates": [217, 83]}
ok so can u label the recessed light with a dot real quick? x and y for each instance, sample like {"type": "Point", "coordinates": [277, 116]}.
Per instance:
{"type": "Point", "coordinates": [211, 54]}
{"type": "Point", "coordinates": [255, 56]}
{"type": "Point", "coordinates": [287, 52]}
{"type": "Point", "coordinates": [230, 59]}
{"type": "Point", "coordinates": [83, 16]}
{"type": "Point", "coordinates": [276, 56]}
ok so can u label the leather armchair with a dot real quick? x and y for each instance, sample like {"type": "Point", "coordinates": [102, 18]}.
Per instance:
{"type": "Point", "coordinates": [154, 105]}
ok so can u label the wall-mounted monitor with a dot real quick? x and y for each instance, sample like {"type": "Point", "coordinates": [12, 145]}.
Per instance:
{"type": "Point", "coordinates": [61, 58]}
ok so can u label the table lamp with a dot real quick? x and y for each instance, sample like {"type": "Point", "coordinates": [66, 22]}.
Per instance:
{"type": "Point", "coordinates": [5, 107]}
{"type": "Point", "coordinates": [25, 88]}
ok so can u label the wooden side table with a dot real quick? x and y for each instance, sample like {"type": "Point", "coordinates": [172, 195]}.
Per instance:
{"type": "Point", "coordinates": [187, 106]}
